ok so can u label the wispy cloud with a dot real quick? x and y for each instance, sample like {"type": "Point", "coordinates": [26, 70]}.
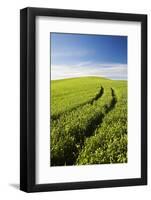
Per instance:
{"type": "Point", "coordinates": [71, 53]}
{"type": "Point", "coordinates": [88, 68]}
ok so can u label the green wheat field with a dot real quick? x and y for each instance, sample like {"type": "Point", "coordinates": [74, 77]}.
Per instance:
{"type": "Point", "coordinates": [88, 121]}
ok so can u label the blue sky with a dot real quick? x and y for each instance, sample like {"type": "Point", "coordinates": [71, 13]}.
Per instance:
{"type": "Point", "coordinates": [74, 55]}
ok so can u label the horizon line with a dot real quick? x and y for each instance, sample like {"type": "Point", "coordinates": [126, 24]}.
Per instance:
{"type": "Point", "coordinates": [90, 76]}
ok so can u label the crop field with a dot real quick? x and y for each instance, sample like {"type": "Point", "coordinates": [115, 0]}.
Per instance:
{"type": "Point", "coordinates": [88, 121]}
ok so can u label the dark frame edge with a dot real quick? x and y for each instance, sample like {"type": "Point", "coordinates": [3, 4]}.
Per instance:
{"type": "Point", "coordinates": [26, 140]}
{"type": "Point", "coordinates": [87, 185]}
{"type": "Point", "coordinates": [87, 14]}
{"type": "Point", "coordinates": [144, 164]}
{"type": "Point", "coordinates": [23, 99]}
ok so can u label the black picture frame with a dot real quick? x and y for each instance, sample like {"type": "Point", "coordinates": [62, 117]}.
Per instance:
{"type": "Point", "coordinates": [28, 98]}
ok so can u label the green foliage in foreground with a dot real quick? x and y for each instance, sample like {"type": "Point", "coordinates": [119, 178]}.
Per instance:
{"type": "Point", "coordinates": [92, 130]}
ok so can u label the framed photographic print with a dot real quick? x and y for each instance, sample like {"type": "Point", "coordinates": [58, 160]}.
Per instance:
{"type": "Point", "coordinates": [83, 99]}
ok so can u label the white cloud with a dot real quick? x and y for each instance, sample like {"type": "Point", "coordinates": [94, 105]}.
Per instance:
{"type": "Point", "coordinates": [69, 53]}
{"type": "Point", "coordinates": [108, 70]}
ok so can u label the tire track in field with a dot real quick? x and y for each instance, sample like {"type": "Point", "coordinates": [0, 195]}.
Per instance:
{"type": "Point", "coordinates": [88, 131]}
{"type": "Point", "coordinates": [99, 121]}
{"type": "Point", "coordinates": [110, 135]}
{"type": "Point", "coordinates": [67, 156]}
{"type": "Point", "coordinates": [91, 101]}
{"type": "Point", "coordinates": [107, 108]}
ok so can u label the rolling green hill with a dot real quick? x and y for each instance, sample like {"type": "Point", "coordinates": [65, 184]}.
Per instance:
{"type": "Point", "coordinates": [88, 121]}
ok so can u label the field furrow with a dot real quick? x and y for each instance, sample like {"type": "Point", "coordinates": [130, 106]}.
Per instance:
{"type": "Point", "coordinates": [90, 101]}
{"type": "Point", "coordinates": [67, 94]}
{"type": "Point", "coordinates": [69, 132]}
{"type": "Point", "coordinates": [109, 142]}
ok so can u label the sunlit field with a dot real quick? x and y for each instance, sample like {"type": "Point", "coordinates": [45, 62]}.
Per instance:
{"type": "Point", "coordinates": [88, 121]}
